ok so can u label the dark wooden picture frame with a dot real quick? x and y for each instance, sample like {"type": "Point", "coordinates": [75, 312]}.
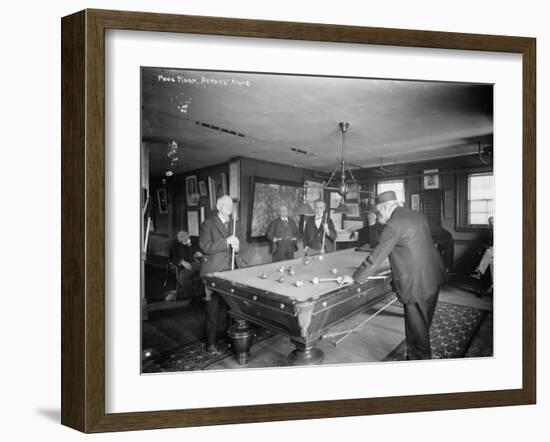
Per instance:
{"type": "Point", "coordinates": [83, 220]}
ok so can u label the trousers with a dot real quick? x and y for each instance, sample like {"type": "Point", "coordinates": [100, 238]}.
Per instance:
{"type": "Point", "coordinates": [216, 318]}
{"type": "Point", "coordinates": [418, 320]}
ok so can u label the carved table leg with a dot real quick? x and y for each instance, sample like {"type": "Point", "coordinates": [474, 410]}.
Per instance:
{"type": "Point", "coordinates": [241, 334]}
{"type": "Point", "coordinates": [305, 354]}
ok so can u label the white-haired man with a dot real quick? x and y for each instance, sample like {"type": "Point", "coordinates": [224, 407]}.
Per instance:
{"type": "Point", "coordinates": [217, 241]}
{"type": "Point", "coordinates": [417, 269]}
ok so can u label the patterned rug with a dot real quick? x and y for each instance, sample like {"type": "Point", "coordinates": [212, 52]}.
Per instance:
{"type": "Point", "coordinates": [453, 329]}
{"type": "Point", "coordinates": [194, 356]}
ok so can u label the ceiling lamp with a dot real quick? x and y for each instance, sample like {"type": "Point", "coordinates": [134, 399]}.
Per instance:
{"type": "Point", "coordinates": [343, 187]}
{"type": "Point", "coordinates": [342, 208]}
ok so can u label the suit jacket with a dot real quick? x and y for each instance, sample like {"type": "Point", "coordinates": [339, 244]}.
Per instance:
{"type": "Point", "coordinates": [180, 251]}
{"type": "Point", "coordinates": [285, 232]}
{"type": "Point", "coordinates": [370, 235]}
{"type": "Point", "coordinates": [313, 236]}
{"type": "Point", "coordinates": [417, 267]}
{"type": "Point", "coordinates": [213, 243]}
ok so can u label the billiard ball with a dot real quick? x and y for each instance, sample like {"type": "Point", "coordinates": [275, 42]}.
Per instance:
{"type": "Point", "coordinates": [306, 261]}
{"type": "Point", "coordinates": [315, 281]}
{"type": "Point", "coordinates": [281, 269]}
{"type": "Point", "coordinates": [334, 271]}
{"type": "Point", "coordinates": [291, 272]}
{"type": "Point", "coordinates": [282, 279]}
{"type": "Point", "coordinates": [299, 283]}
{"type": "Point", "coordinates": [320, 257]}
{"type": "Point", "coordinates": [263, 275]}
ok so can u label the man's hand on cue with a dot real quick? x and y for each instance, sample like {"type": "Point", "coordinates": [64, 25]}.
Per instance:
{"type": "Point", "coordinates": [233, 241]}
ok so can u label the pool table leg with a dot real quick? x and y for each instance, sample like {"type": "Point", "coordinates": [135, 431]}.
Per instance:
{"type": "Point", "coordinates": [305, 354]}
{"type": "Point", "coordinates": [241, 334]}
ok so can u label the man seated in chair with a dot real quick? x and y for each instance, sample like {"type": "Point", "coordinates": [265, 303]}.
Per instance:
{"type": "Point", "coordinates": [487, 259]}
{"type": "Point", "coordinates": [444, 242]}
{"type": "Point", "coordinates": [368, 236]}
{"type": "Point", "coordinates": [185, 262]}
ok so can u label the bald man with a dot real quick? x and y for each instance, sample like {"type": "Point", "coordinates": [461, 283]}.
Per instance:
{"type": "Point", "coordinates": [283, 234]}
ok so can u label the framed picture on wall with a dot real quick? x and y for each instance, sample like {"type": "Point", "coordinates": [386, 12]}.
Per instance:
{"type": "Point", "coordinates": [100, 48]}
{"type": "Point", "coordinates": [162, 200]}
{"type": "Point", "coordinates": [192, 190]}
{"type": "Point", "coordinates": [415, 201]}
{"type": "Point", "coordinates": [217, 185]}
{"type": "Point", "coordinates": [354, 211]}
{"type": "Point", "coordinates": [431, 179]}
{"type": "Point", "coordinates": [202, 188]}
{"type": "Point", "coordinates": [353, 192]}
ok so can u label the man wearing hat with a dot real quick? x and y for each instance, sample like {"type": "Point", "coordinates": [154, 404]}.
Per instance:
{"type": "Point", "coordinates": [417, 269]}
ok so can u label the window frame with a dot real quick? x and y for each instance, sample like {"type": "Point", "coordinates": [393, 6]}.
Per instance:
{"type": "Point", "coordinates": [462, 210]}
{"type": "Point", "coordinates": [396, 180]}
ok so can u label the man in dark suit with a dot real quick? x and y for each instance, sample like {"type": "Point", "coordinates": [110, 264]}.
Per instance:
{"type": "Point", "coordinates": [283, 234]}
{"type": "Point", "coordinates": [185, 261]}
{"type": "Point", "coordinates": [217, 241]}
{"type": "Point", "coordinates": [318, 227]}
{"type": "Point", "coordinates": [368, 236]}
{"type": "Point", "coordinates": [417, 269]}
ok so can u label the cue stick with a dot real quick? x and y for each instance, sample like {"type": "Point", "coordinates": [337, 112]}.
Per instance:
{"type": "Point", "coordinates": [147, 235]}
{"type": "Point", "coordinates": [346, 333]}
{"type": "Point", "coordinates": [233, 248]}
{"type": "Point", "coordinates": [324, 234]}
{"type": "Point", "coordinates": [145, 206]}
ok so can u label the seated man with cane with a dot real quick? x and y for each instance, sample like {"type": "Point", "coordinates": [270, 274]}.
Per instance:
{"type": "Point", "coordinates": [185, 262]}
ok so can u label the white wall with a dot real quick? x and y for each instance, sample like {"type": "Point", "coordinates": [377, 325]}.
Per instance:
{"type": "Point", "coordinates": [30, 174]}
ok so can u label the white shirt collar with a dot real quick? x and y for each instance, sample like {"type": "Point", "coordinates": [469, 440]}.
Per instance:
{"type": "Point", "coordinates": [221, 218]}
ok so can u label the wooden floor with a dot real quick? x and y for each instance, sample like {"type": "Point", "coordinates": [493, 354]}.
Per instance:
{"type": "Point", "coordinates": [172, 325]}
{"type": "Point", "coordinates": [376, 339]}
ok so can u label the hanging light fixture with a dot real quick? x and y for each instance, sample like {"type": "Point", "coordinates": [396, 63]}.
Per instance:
{"type": "Point", "coordinates": [342, 188]}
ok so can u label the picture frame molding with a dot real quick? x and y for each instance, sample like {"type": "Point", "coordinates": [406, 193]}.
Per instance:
{"type": "Point", "coordinates": [83, 231]}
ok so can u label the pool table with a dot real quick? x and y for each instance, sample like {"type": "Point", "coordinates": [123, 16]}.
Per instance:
{"type": "Point", "coordinates": [303, 312]}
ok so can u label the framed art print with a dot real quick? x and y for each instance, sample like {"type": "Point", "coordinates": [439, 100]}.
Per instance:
{"type": "Point", "coordinates": [135, 85]}
{"type": "Point", "coordinates": [192, 190]}
{"type": "Point", "coordinates": [217, 187]}
{"type": "Point", "coordinates": [431, 179]}
{"type": "Point", "coordinates": [415, 202]}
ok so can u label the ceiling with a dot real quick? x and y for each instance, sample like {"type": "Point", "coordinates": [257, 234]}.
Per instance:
{"type": "Point", "coordinates": [214, 116]}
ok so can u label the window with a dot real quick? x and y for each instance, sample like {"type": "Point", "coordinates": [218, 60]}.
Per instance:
{"type": "Point", "coordinates": [398, 186]}
{"type": "Point", "coordinates": [480, 198]}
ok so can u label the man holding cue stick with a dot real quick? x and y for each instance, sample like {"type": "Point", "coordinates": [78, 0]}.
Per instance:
{"type": "Point", "coordinates": [219, 243]}
{"type": "Point", "coordinates": [319, 232]}
{"type": "Point", "coordinates": [417, 269]}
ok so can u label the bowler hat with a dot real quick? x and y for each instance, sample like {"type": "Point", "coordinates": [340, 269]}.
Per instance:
{"type": "Point", "coordinates": [389, 195]}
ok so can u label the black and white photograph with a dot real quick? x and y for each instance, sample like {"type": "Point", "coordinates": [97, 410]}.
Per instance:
{"type": "Point", "coordinates": [275, 275]}
{"type": "Point", "coordinates": [192, 190]}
